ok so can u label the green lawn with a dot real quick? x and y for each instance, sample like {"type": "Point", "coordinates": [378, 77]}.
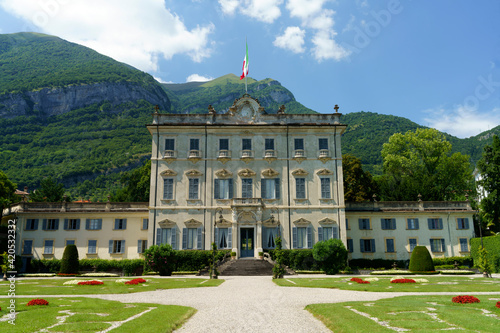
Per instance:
{"type": "Point", "coordinates": [91, 315]}
{"type": "Point", "coordinates": [410, 313]}
{"type": "Point", "coordinates": [54, 286]}
{"type": "Point", "coordinates": [434, 284]}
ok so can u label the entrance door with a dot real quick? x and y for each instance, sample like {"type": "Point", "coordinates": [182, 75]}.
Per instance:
{"type": "Point", "coordinates": [246, 242]}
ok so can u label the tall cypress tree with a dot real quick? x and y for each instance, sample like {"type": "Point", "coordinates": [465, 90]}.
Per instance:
{"type": "Point", "coordinates": [489, 168]}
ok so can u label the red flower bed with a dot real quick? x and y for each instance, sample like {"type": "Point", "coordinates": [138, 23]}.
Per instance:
{"type": "Point", "coordinates": [403, 281]}
{"type": "Point", "coordinates": [90, 283]}
{"type": "Point", "coordinates": [135, 281]}
{"type": "Point", "coordinates": [358, 280]}
{"type": "Point", "coordinates": [37, 301]}
{"type": "Point", "coordinates": [498, 305]}
{"type": "Point", "coordinates": [464, 299]}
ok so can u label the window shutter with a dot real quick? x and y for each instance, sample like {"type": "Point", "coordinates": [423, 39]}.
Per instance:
{"type": "Point", "coordinates": [116, 224]}
{"type": "Point", "coordinates": [466, 223]}
{"type": "Point", "coordinates": [99, 224]}
{"type": "Point", "coordinates": [35, 225]}
{"type": "Point", "coordinates": [122, 247]}
{"type": "Point", "coordinates": [216, 231]}
{"type": "Point", "coordinates": [77, 224]}
{"type": "Point", "coordinates": [216, 189]}
{"type": "Point", "coordinates": [440, 223]}
{"type": "Point", "coordinates": [65, 224]}
{"type": "Point", "coordinates": [44, 224]}
{"type": "Point", "coordinates": [173, 237]}
{"type": "Point", "coordinates": [429, 223]}
{"type": "Point", "coordinates": [56, 225]}
{"type": "Point", "coordinates": [373, 245]}
{"type": "Point", "coordinates": [159, 236]}
{"type": "Point", "coordinates": [124, 224]}
{"type": "Point", "coordinates": [335, 232]}
{"type": "Point", "coordinates": [199, 239]}
{"type": "Point", "coordinates": [360, 224]}
{"type": "Point", "coordinates": [230, 238]}
{"type": "Point", "coordinates": [184, 238]}
{"type": "Point", "coordinates": [443, 247]}
{"type": "Point", "coordinates": [362, 245]}
{"type": "Point", "coordinates": [139, 246]}
{"type": "Point", "coordinates": [416, 224]}
{"type": "Point", "coordinates": [320, 234]}
{"type": "Point", "coordinates": [110, 246]}
{"type": "Point", "coordinates": [393, 224]}
{"type": "Point", "coordinates": [309, 237]}
{"type": "Point", "coordinates": [294, 234]}
{"type": "Point", "coordinates": [230, 188]}
{"type": "Point", "coordinates": [145, 224]}
{"type": "Point", "coordinates": [263, 189]}
{"type": "Point", "coordinates": [87, 224]}
{"type": "Point", "coordinates": [277, 189]}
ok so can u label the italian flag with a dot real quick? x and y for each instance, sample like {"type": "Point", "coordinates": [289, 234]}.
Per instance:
{"type": "Point", "coordinates": [245, 64]}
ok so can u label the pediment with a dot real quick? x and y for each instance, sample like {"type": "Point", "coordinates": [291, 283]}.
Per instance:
{"type": "Point", "coordinates": [246, 173]}
{"type": "Point", "coordinates": [166, 223]}
{"type": "Point", "coordinates": [223, 173]}
{"type": "Point", "coordinates": [324, 172]}
{"type": "Point", "coordinates": [270, 173]}
{"type": "Point", "coordinates": [299, 173]}
{"type": "Point", "coordinates": [193, 173]}
{"type": "Point", "coordinates": [192, 223]}
{"type": "Point", "coordinates": [168, 173]}
{"type": "Point", "coordinates": [327, 220]}
{"type": "Point", "coordinates": [302, 222]}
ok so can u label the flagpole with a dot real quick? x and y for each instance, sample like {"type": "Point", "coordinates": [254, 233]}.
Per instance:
{"type": "Point", "coordinates": [246, 50]}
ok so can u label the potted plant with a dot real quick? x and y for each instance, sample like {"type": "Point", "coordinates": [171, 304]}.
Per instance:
{"type": "Point", "coordinates": [261, 255]}
{"type": "Point", "coordinates": [233, 255]}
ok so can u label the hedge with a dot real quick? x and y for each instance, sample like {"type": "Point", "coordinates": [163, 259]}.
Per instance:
{"type": "Point", "coordinates": [462, 261]}
{"type": "Point", "coordinates": [492, 245]}
{"type": "Point", "coordinates": [298, 259]}
{"type": "Point", "coordinates": [377, 263]}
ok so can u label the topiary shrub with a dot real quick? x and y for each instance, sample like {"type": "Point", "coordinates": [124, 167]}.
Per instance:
{"type": "Point", "coordinates": [331, 254]}
{"type": "Point", "coordinates": [421, 260]}
{"type": "Point", "coordinates": [69, 261]}
{"type": "Point", "coordinates": [161, 258]}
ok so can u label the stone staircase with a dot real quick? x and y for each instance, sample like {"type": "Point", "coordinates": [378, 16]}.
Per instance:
{"type": "Point", "coordinates": [247, 267]}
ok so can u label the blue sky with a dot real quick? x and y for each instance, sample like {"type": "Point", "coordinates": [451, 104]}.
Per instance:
{"type": "Point", "coordinates": [434, 62]}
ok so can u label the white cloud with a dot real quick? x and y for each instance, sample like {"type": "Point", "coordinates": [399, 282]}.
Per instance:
{"type": "Point", "coordinates": [325, 47]}
{"type": "Point", "coordinates": [198, 78]}
{"type": "Point", "coordinates": [159, 79]}
{"type": "Point", "coordinates": [292, 39]}
{"type": "Point", "coordinates": [134, 32]}
{"type": "Point", "coordinates": [305, 9]}
{"type": "Point", "coordinates": [462, 122]}
{"type": "Point", "coordinates": [262, 10]}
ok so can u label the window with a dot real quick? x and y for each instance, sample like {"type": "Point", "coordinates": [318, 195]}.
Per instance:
{"type": "Point", "coordinates": [116, 246]}
{"type": "Point", "coordinates": [48, 246]}
{"type": "Point", "coordinates": [246, 144]}
{"type": "Point", "coordinates": [347, 227]}
{"type": "Point", "coordinates": [412, 242]}
{"type": "Point", "coordinates": [70, 242]}
{"type": "Point", "coordinates": [367, 245]}
{"type": "Point", "coordinates": [247, 188]}
{"type": "Point", "coordinates": [71, 224]}
{"type": "Point", "coordinates": [270, 188]}
{"type": "Point", "coordinates": [464, 245]}
{"type": "Point", "coordinates": [142, 245]}
{"type": "Point", "coordinates": [194, 144]}
{"type": "Point", "coordinates": [168, 189]}
{"type": "Point", "coordinates": [299, 144]}
{"type": "Point", "coordinates": [300, 188]}
{"type": "Point", "coordinates": [412, 224]}
{"type": "Point", "coordinates": [167, 236]}
{"type": "Point", "coordinates": [388, 224]}
{"type": "Point", "coordinates": [350, 246]}
{"type": "Point", "coordinates": [193, 188]}
{"type": "Point", "coordinates": [389, 245]}
{"type": "Point", "coordinates": [223, 144]}
{"type": "Point", "coordinates": [325, 188]}
{"type": "Point", "coordinates": [27, 246]}
{"type": "Point", "coordinates": [223, 237]}
{"type": "Point", "coordinates": [31, 224]}
{"type": "Point", "coordinates": [269, 144]}
{"type": "Point", "coordinates": [92, 246]}
{"type": "Point", "coordinates": [93, 224]}
{"type": "Point", "coordinates": [145, 224]}
{"type": "Point", "coordinates": [364, 224]}
{"type": "Point", "coordinates": [326, 233]}
{"type": "Point", "coordinates": [302, 238]}
{"type": "Point", "coordinates": [50, 224]}
{"type": "Point", "coordinates": [462, 223]}
{"type": "Point", "coordinates": [437, 245]}
{"type": "Point", "coordinates": [269, 235]}
{"type": "Point", "coordinates": [192, 238]}
{"type": "Point", "coordinates": [323, 143]}
{"type": "Point", "coordinates": [223, 188]}
{"type": "Point", "coordinates": [120, 224]}
{"type": "Point", "coordinates": [435, 224]}
{"type": "Point", "coordinates": [170, 144]}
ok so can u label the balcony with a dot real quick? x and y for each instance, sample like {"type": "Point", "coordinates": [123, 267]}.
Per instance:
{"type": "Point", "coordinates": [270, 155]}
{"type": "Point", "coordinates": [324, 155]}
{"type": "Point", "coordinates": [224, 155]}
{"type": "Point", "coordinates": [299, 155]}
{"type": "Point", "coordinates": [194, 155]}
{"type": "Point", "coordinates": [247, 155]}
{"type": "Point", "coordinates": [246, 202]}
{"type": "Point", "coordinates": [169, 155]}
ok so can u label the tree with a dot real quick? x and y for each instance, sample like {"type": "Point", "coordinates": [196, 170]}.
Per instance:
{"type": "Point", "coordinates": [70, 263]}
{"type": "Point", "coordinates": [49, 191]}
{"type": "Point", "coordinates": [421, 260]}
{"type": "Point", "coordinates": [489, 168]}
{"type": "Point", "coordinates": [332, 255]}
{"type": "Point", "coordinates": [137, 184]}
{"type": "Point", "coordinates": [7, 193]}
{"type": "Point", "coordinates": [358, 184]}
{"type": "Point", "coordinates": [420, 162]}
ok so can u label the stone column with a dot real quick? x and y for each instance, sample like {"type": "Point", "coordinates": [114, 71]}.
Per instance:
{"type": "Point", "coordinates": [235, 232]}
{"type": "Point", "coordinates": [258, 232]}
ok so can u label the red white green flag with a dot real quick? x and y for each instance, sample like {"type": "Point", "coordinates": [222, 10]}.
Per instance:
{"type": "Point", "coordinates": [245, 64]}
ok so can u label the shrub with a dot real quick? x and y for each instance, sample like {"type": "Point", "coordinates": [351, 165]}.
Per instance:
{"type": "Point", "coordinates": [377, 263]}
{"type": "Point", "coordinates": [45, 266]}
{"type": "Point", "coordinates": [37, 301]}
{"type": "Point", "coordinates": [69, 261]}
{"type": "Point", "coordinates": [297, 259]}
{"type": "Point", "coordinates": [450, 261]}
{"type": "Point", "coordinates": [331, 254]}
{"type": "Point", "coordinates": [492, 245]}
{"type": "Point", "coordinates": [421, 260]}
{"type": "Point", "coordinates": [161, 258]}
{"type": "Point", "coordinates": [465, 299]}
